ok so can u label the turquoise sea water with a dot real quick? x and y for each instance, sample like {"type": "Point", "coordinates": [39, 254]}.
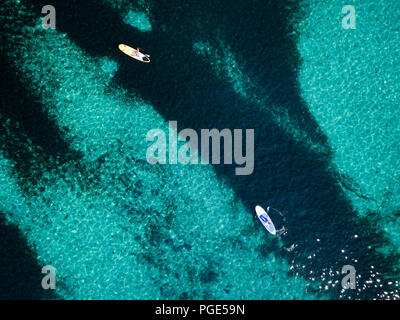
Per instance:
{"type": "Point", "coordinates": [77, 192]}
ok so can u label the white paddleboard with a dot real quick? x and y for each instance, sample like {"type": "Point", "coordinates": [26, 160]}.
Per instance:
{"type": "Point", "coordinates": [265, 219]}
{"type": "Point", "coordinates": [133, 53]}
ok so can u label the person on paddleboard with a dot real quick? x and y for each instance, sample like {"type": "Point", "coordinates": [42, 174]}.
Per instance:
{"type": "Point", "coordinates": [144, 58]}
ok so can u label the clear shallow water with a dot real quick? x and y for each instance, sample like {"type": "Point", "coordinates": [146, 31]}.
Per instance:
{"type": "Point", "coordinates": [76, 184]}
{"type": "Point", "coordinates": [356, 106]}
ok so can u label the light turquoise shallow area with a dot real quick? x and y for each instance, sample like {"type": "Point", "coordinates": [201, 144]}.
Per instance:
{"type": "Point", "coordinates": [138, 20]}
{"type": "Point", "coordinates": [136, 13]}
{"type": "Point", "coordinates": [350, 80]}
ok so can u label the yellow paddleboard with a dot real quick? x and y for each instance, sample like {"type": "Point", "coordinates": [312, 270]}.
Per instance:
{"type": "Point", "coordinates": [133, 53]}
